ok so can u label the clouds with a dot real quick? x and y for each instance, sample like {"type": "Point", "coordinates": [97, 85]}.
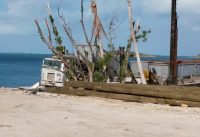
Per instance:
{"type": "Point", "coordinates": [19, 14]}
{"type": "Point", "coordinates": [164, 6]}
{"type": "Point", "coordinates": [16, 16]}
{"type": "Point", "coordinates": [188, 11]}
{"type": "Point", "coordinates": [189, 6]}
{"type": "Point", "coordinates": [189, 14]}
{"type": "Point", "coordinates": [15, 19]}
{"type": "Point", "coordinates": [7, 29]}
{"type": "Point", "coordinates": [155, 6]}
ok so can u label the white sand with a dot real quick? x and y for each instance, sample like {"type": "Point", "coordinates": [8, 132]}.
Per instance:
{"type": "Point", "coordinates": [69, 116]}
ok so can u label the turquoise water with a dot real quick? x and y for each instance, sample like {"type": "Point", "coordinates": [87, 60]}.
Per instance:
{"type": "Point", "coordinates": [18, 70]}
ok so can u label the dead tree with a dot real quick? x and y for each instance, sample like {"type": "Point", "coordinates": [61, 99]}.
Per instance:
{"type": "Point", "coordinates": [48, 41]}
{"type": "Point", "coordinates": [68, 32]}
{"type": "Point", "coordinates": [124, 66]}
{"type": "Point", "coordinates": [97, 29]}
{"type": "Point", "coordinates": [89, 42]}
{"type": "Point", "coordinates": [102, 57]}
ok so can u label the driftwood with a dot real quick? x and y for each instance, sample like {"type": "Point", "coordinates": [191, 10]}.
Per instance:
{"type": "Point", "coordinates": [171, 95]}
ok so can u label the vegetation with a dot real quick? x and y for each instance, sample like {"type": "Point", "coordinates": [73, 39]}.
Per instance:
{"type": "Point", "coordinates": [96, 68]}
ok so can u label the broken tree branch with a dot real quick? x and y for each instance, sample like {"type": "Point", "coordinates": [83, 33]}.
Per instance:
{"type": "Point", "coordinates": [84, 29]}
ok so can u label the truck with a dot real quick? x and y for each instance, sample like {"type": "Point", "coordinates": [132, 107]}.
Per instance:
{"type": "Point", "coordinates": [52, 73]}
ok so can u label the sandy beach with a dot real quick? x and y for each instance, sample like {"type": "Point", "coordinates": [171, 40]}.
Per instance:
{"type": "Point", "coordinates": [52, 115]}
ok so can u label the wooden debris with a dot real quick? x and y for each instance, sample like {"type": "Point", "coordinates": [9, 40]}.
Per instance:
{"type": "Point", "coordinates": [172, 95]}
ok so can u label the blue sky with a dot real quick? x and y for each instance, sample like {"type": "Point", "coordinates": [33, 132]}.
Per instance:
{"type": "Point", "coordinates": [18, 33]}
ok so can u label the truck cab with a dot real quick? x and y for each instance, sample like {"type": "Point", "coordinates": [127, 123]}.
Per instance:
{"type": "Point", "coordinates": [52, 73]}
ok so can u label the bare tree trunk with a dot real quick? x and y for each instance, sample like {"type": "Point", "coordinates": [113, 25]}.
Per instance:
{"type": "Point", "coordinates": [134, 42]}
{"type": "Point", "coordinates": [67, 29]}
{"type": "Point", "coordinates": [173, 46]}
{"type": "Point", "coordinates": [100, 44]}
{"type": "Point", "coordinates": [90, 76]}
{"type": "Point", "coordinates": [123, 69]}
{"type": "Point", "coordinates": [48, 42]}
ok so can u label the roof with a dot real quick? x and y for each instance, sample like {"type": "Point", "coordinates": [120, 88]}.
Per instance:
{"type": "Point", "coordinates": [52, 59]}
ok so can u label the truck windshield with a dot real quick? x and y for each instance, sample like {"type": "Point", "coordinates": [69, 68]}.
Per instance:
{"type": "Point", "coordinates": [53, 64]}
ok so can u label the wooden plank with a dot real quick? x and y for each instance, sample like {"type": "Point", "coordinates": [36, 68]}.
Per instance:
{"type": "Point", "coordinates": [124, 97]}
{"type": "Point", "coordinates": [178, 93]}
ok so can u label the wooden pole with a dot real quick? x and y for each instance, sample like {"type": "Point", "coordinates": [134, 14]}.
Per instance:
{"type": "Point", "coordinates": [173, 46]}
{"type": "Point", "coordinates": [135, 42]}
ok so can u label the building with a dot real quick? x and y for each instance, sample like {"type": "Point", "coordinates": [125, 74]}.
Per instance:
{"type": "Point", "coordinates": [188, 71]}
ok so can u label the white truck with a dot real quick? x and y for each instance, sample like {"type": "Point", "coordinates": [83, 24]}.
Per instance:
{"type": "Point", "coordinates": [52, 73]}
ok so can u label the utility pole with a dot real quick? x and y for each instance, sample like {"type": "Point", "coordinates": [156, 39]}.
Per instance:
{"type": "Point", "coordinates": [173, 46]}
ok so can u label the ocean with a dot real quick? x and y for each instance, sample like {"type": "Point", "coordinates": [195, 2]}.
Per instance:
{"type": "Point", "coordinates": [19, 70]}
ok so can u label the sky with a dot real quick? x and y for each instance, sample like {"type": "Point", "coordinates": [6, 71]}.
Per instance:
{"type": "Point", "coordinates": [18, 33]}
